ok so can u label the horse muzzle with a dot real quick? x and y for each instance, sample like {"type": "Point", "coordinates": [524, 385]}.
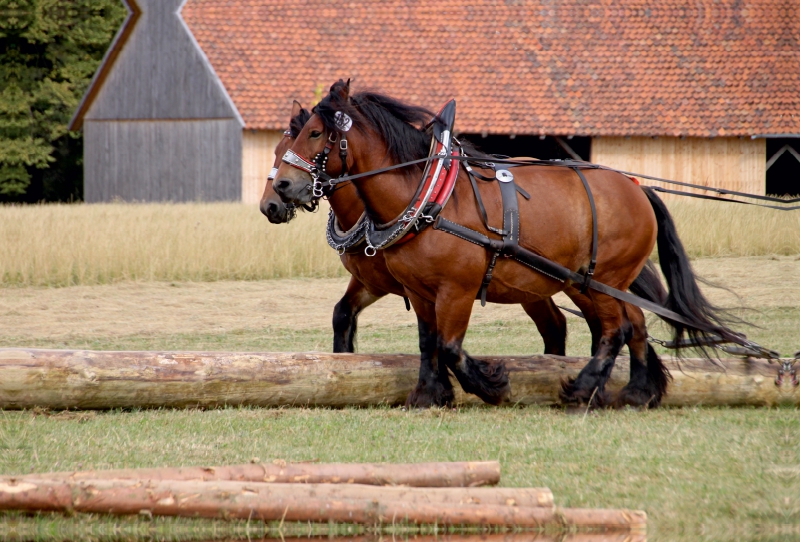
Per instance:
{"type": "Point", "coordinates": [293, 191]}
{"type": "Point", "coordinates": [276, 211]}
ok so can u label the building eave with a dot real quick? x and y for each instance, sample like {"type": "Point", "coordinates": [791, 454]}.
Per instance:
{"type": "Point", "coordinates": [134, 12]}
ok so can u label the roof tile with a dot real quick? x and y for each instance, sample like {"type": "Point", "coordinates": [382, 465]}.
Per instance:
{"type": "Point", "coordinates": [582, 67]}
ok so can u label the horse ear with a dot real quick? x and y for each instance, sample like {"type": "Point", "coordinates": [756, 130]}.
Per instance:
{"type": "Point", "coordinates": [296, 109]}
{"type": "Point", "coordinates": [341, 90]}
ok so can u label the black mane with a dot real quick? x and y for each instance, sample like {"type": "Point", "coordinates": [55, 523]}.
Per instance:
{"type": "Point", "coordinates": [298, 121]}
{"type": "Point", "coordinates": [400, 125]}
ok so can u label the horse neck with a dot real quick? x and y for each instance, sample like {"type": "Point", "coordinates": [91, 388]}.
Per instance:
{"type": "Point", "coordinates": [346, 205]}
{"type": "Point", "coordinates": [386, 196]}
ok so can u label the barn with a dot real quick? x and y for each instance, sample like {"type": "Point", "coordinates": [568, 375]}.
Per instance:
{"type": "Point", "coordinates": [193, 96]}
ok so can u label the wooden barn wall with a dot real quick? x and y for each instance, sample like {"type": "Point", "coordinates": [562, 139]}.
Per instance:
{"type": "Point", "coordinates": [160, 73]}
{"type": "Point", "coordinates": [258, 157]}
{"type": "Point", "coordinates": [722, 162]}
{"type": "Point", "coordinates": [158, 160]}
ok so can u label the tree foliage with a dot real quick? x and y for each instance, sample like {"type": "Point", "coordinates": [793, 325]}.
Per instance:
{"type": "Point", "coordinates": [49, 50]}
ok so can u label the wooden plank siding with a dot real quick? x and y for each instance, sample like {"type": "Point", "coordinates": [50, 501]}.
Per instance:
{"type": "Point", "coordinates": [161, 73]}
{"type": "Point", "coordinates": [258, 157]}
{"type": "Point", "coordinates": [722, 162]}
{"type": "Point", "coordinates": [159, 126]}
{"type": "Point", "coordinates": [163, 160]}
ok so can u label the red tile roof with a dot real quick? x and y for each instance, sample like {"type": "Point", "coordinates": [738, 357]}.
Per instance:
{"type": "Point", "coordinates": [581, 67]}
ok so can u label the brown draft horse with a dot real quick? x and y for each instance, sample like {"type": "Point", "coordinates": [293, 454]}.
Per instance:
{"type": "Point", "coordinates": [442, 274]}
{"type": "Point", "coordinates": [371, 279]}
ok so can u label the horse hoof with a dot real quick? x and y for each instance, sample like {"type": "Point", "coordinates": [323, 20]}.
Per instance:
{"type": "Point", "coordinates": [427, 396]}
{"type": "Point", "coordinates": [637, 398]}
{"type": "Point", "coordinates": [493, 386]}
{"type": "Point", "coordinates": [593, 397]}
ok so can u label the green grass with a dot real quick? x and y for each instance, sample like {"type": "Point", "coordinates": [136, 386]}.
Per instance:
{"type": "Point", "coordinates": [692, 470]}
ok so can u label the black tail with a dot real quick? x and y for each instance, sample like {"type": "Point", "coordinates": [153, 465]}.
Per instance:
{"type": "Point", "coordinates": [657, 374]}
{"type": "Point", "coordinates": [648, 285]}
{"type": "Point", "coordinates": [685, 297]}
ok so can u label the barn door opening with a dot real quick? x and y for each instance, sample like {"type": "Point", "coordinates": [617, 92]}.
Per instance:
{"type": "Point", "coordinates": [783, 167]}
{"type": "Point", "coordinates": [549, 148]}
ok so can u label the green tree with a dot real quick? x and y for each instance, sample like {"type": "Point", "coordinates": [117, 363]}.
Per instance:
{"type": "Point", "coordinates": [49, 50]}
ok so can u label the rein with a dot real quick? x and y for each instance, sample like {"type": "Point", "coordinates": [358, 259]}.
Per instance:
{"type": "Point", "coordinates": [474, 160]}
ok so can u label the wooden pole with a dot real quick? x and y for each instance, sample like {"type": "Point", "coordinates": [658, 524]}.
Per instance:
{"type": "Point", "coordinates": [519, 497]}
{"type": "Point", "coordinates": [428, 475]}
{"type": "Point", "coordinates": [238, 500]}
{"type": "Point", "coordinates": [61, 379]}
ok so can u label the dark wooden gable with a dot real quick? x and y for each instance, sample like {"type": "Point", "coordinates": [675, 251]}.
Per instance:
{"type": "Point", "coordinates": [156, 72]}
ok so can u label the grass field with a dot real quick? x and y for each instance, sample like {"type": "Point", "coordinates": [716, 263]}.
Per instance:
{"type": "Point", "coordinates": [723, 472]}
{"type": "Point", "coordinates": [61, 245]}
{"type": "Point", "coordinates": [285, 315]}
{"type": "Point", "coordinates": [138, 277]}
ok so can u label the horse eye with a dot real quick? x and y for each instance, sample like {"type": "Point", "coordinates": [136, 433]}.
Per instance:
{"type": "Point", "coordinates": [315, 134]}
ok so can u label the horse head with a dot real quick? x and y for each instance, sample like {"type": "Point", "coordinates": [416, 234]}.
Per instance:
{"type": "Point", "coordinates": [309, 159]}
{"type": "Point", "coordinates": [348, 133]}
{"type": "Point", "coordinates": [271, 205]}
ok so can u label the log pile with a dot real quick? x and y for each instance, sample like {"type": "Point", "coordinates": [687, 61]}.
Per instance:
{"type": "Point", "coordinates": [62, 379]}
{"type": "Point", "coordinates": [241, 492]}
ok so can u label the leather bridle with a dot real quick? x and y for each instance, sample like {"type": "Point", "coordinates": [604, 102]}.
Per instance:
{"type": "Point", "coordinates": [323, 183]}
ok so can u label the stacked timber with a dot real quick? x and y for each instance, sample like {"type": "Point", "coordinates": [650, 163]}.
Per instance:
{"type": "Point", "coordinates": [83, 379]}
{"type": "Point", "coordinates": [241, 492]}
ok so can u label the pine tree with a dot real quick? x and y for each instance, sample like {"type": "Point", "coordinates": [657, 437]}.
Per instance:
{"type": "Point", "coordinates": [49, 50]}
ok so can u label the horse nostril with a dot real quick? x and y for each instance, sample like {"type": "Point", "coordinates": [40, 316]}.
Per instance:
{"type": "Point", "coordinates": [269, 209]}
{"type": "Point", "coordinates": [283, 184]}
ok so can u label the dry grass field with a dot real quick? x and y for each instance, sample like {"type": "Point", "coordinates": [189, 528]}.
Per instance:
{"type": "Point", "coordinates": [295, 314]}
{"type": "Point", "coordinates": [61, 245]}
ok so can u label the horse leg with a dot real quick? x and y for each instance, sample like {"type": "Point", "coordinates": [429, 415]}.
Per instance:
{"type": "Point", "coordinates": [649, 377]}
{"type": "Point", "coordinates": [345, 314]}
{"type": "Point", "coordinates": [433, 387]}
{"type": "Point", "coordinates": [586, 305]}
{"type": "Point", "coordinates": [551, 323]}
{"type": "Point", "coordinates": [489, 381]}
{"type": "Point", "coordinates": [589, 386]}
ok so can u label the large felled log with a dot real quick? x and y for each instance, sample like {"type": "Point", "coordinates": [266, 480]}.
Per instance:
{"type": "Point", "coordinates": [59, 379]}
{"type": "Point", "coordinates": [257, 502]}
{"type": "Point", "coordinates": [428, 475]}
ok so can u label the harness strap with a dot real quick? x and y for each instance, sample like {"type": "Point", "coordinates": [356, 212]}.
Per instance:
{"type": "Point", "coordinates": [587, 277]}
{"type": "Point", "coordinates": [510, 231]}
{"type": "Point", "coordinates": [479, 200]}
{"type": "Point", "coordinates": [343, 153]}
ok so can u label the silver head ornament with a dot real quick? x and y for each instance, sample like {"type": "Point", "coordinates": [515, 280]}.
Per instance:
{"type": "Point", "coordinates": [343, 121]}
